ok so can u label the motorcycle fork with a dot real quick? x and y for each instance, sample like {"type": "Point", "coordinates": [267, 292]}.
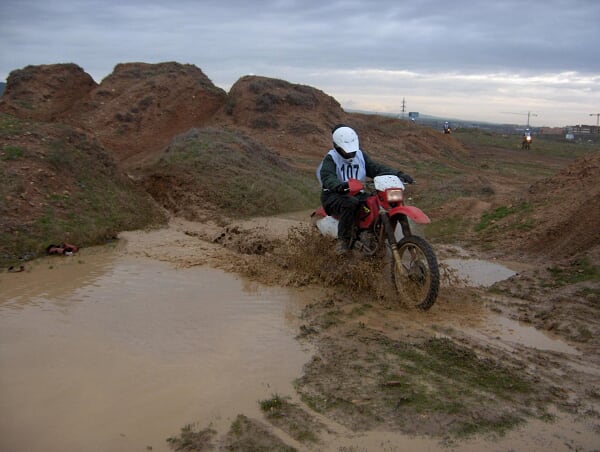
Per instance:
{"type": "Point", "coordinates": [389, 230]}
{"type": "Point", "coordinates": [403, 220]}
{"type": "Point", "coordinates": [391, 237]}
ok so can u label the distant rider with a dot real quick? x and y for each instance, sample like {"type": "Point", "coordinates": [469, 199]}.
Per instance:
{"type": "Point", "coordinates": [526, 139]}
{"type": "Point", "coordinates": [447, 128]}
{"type": "Point", "coordinates": [347, 161]}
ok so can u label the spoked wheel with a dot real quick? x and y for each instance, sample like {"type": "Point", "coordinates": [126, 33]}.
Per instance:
{"type": "Point", "coordinates": [415, 272]}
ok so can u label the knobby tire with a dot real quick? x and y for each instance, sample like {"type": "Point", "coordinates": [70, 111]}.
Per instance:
{"type": "Point", "coordinates": [419, 279]}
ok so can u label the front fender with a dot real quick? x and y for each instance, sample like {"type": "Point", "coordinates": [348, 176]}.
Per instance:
{"type": "Point", "coordinates": [412, 212]}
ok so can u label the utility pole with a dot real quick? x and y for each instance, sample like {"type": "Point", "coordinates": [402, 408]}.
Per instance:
{"type": "Point", "coordinates": [597, 115]}
{"type": "Point", "coordinates": [403, 107]}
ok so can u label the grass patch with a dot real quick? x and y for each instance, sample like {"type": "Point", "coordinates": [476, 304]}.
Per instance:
{"type": "Point", "coordinates": [441, 191]}
{"type": "Point", "coordinates": [289, 417]}
{"type": "Point", "coordinates": [592, 294]}
{"type": "Point", "coordinates": [579, 270]}
{"type": "Point", "coordinates": [192, 439]}
{"type": "Point", "coordinates": [248, 434]}
{"type": "Point", "coordinates": [90, 201]}
{"type": "Point", "coordinates": [441, 376]}
{"type": "Point", "coordinates": [10, 125]}
{"type": "Point", "coordinates": [273, 406]}
{"type": "Point", "coordinates": [392, 381]}
{"type": "Point", "coordinates": [489, 218]}
{"type": "Point", "coordinates": [234, 174]}
{"type": "Point", "coordinates": [448, 229]}
{"type": "Point", "coordinates": [547, 145]}
{"type": "Point", "coordinates": [473, 136]}
{"type": "Point", "coordinates": [500, 426]}
{"type": "Point", "coordinates": [444, 356]}
{"type": "Point", "coordinates": [244, 434]}
{"type": "Point", "coordinates": [433, 168]}
{"type": "Point", "coordinates": [11, 152]}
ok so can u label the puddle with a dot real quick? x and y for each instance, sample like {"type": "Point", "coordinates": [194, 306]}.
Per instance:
{"type": "Point", "coordinates": [512, 333]}
{"type": "Point", "coordinates": [477, 272]}
{"type": "Point", "coordinates": [118, 353]}
{"type": "Point", "coordinates": [481, 273]}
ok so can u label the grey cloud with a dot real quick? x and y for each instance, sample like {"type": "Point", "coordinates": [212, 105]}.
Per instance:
{"type": "Point", "coordinates": [314, 42]}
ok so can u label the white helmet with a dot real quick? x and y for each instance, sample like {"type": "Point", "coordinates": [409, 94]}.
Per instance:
{"type": "Point", "coordinates": [345, 141]}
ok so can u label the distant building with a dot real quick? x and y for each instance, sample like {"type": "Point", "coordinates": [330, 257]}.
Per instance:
{"type": "Point", "coordinates": [585, 130]}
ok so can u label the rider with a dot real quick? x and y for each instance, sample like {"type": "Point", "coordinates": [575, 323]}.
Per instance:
{"type": "Point", "coordinates": [446, 127]}
{"type": "Point", "coordinates": [347, 161]}
{"type": "Point", "coordinates": [526, 137]}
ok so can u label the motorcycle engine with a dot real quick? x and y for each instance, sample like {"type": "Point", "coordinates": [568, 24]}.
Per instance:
{"type": "Point", "coordinates": [367, 243]}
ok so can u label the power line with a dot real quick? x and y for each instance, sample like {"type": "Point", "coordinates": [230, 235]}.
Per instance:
{"type": "Point", "coordinates": [529, 114]}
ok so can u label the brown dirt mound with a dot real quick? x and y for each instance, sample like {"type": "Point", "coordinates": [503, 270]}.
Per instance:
{"type": "Point", "coordinates": [139, 107]}
{"type": "Point", "coordinates": [42, 174]}
{"type": "Point", "coordinates": [568, 216]}
{"type": "Point", "coordinates": [294, 120]}
{"type": "Point", "coordinates": [134, 112]}
{"type": "Point", "coordinates": [46, 92]}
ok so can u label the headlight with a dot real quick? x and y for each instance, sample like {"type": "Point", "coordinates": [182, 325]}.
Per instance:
{"type": "Point", "coordinates": [395, 195]}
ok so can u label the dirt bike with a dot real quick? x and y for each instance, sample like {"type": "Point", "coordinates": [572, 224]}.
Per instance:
{"type": "Point", "coordinates": [526, 143]}
{"type": "Point", "coordinates": [383, 227]}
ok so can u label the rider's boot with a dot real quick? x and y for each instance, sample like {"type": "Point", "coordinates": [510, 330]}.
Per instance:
{"type": "Point", "coordinates": [342, 247]}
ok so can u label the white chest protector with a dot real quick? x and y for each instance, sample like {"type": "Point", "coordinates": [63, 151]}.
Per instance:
{"type": "Point", "coordinates": [354, 168]}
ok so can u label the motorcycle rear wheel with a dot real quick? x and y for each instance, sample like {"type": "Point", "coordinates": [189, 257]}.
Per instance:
{"type": "Point", "coordinates": [416, 276]}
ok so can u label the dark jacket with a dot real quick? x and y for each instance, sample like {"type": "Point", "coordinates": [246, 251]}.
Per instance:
{"type": "Point", "coordinates": [329, 178]}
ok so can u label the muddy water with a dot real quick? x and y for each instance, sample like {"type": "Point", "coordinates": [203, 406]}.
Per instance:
{"type": "Point", "coordinates": [102, 351]}
{"type": "Point", "coordinates": [481, 273]}
{"type": "Point", "coordinates": [477, 272]}
{"type": "Point", "coordinates": [513, 333]}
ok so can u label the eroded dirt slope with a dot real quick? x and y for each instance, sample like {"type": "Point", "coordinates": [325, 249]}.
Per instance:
{"type": "Point", "coordinates": [134, 112]}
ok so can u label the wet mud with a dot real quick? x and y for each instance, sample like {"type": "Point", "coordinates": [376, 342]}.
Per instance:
{"type": "Point", "coordinates": [191, 327]}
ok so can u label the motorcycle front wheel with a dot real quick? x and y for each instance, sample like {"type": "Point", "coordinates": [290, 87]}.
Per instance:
{"type": "Point", "coordinates": [415, 272]}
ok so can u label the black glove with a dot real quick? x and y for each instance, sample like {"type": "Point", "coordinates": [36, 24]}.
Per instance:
{"type": "Point", "coordinates": [341, 188]}
{"type": "Point", "coordinates": [405, 178]}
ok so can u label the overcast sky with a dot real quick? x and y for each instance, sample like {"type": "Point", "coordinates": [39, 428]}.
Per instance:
{"type": "Point", "coordinates": [495, 60]}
